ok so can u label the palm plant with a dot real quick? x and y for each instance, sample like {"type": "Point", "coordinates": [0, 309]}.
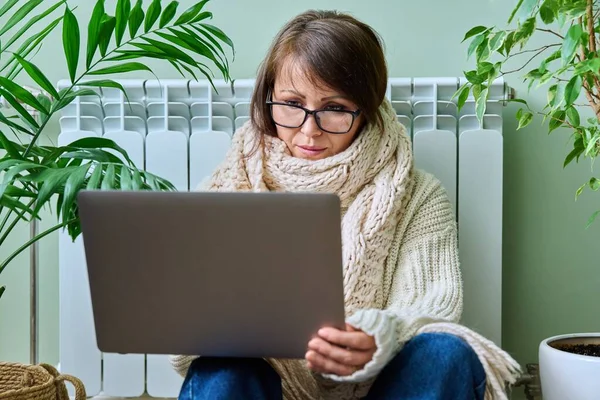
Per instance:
{"type": "Point", "coordinates": [33, 175]}
{"type": "Point", "coordinates": [566, 62]}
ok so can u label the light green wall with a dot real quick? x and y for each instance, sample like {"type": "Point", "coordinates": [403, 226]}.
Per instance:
{"type": "Point", "coordinates": [551, 267]}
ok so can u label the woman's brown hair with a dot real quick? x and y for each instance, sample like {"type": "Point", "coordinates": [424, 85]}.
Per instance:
{"type": "Point", "coordinates": [334, 49]}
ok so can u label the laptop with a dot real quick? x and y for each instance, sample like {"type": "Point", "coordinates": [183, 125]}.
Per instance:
{"type": "Point", "coordinates": [212, 274]}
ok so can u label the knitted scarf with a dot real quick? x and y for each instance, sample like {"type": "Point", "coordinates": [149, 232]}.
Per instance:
{"type": "Point", "coordinates": [372, 178]}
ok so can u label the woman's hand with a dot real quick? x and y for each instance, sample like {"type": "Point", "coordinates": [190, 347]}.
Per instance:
{"type": "Point", "coordinates": [340, 352]}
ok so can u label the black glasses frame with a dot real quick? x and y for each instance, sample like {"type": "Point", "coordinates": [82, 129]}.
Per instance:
{"type": "Point", "coordinates": [314, 113]}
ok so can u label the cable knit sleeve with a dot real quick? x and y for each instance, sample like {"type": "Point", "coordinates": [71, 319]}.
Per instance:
{"type": "Point", "coordinates": [425, 285]}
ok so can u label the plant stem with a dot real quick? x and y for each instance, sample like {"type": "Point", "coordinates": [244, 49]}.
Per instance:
{"type": "Point", "coordinates": [530, 60]}
{"type": "Point", "coordinates": [13, 224]}
{"type": "Point", "coordinates": [592, 39]}
{"type": "Point", "coordinates": [590, 25]}
{"type": "Point", "coordinates": [4, 220]}
{"type": "Point", "coordinates": [589, 91]}
{"type": "Point", "coordinates": [533, 50]}
{"type": "Point", "coordinates": [33, 240]}
{"type": "Point", "coordinates": [551, 31]}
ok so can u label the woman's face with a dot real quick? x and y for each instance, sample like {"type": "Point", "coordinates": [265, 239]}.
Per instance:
{"type": "Point", "coordinates": [308, 141]}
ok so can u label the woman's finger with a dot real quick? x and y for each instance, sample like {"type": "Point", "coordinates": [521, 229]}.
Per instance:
{"type": "Point", "coordinates": [324, 365]}
{"type": "Point", "coordinates": [356, 358]}
{"type": "Point", "coordinates": [353, 340]}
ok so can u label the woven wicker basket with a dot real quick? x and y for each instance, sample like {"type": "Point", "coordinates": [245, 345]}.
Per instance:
{"type": "Point", "coordinates": [36, 382]}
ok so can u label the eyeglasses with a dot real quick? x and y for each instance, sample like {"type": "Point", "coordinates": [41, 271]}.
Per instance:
{"type": "Point", "coordinates": [331, 121]}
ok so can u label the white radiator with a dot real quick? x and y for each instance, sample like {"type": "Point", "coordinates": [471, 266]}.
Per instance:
{"type": "Point", "coordinates": [187, 145]}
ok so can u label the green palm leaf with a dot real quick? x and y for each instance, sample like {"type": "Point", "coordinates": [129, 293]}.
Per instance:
{"type": "Point", "coordinates": [32, 22]}
{"type": "Point", "coordinates": [94, 32]}
{"type": "Point", "coordinates": [71, 41]}
{"type": "Point", "coordinates": [74, 183]}
{"type": "Point", "coordinates": [24, 114]}
{"type": "Point", "coordinates": [122, 16]}
{"type": "Point", "coordinates": [19, 15]}
{"type": "Point", "coordinates": [28, 46]}
{"type": "Point", "coordinates": [168, 14]}
{"type": "Point", "coordinates": [136, 18]}
{"type": "Point", "coordinates": [7, 6]}
{"type": "Point", "coordinates": [190, 13]}
{"type": "Point", "coordinates": [152, 15]}
{"type": "Point", "coordinates": [106, 31]}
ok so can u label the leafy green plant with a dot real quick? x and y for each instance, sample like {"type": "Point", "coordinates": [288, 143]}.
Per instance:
{"type": "Point", "coordinates": [31, 174]}
{"type": "Point", "coordinates": [567, 65]}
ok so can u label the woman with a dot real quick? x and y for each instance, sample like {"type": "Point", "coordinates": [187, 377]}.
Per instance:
{"type": "Point", "coordinates": [320, 122]}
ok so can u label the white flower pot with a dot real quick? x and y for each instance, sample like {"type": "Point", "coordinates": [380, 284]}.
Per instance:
{"type": "Point", "coordinates": [568, 376]}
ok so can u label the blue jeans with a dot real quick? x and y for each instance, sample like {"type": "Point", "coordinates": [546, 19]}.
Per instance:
{"type": "Point", "coordinates": [431, 366]}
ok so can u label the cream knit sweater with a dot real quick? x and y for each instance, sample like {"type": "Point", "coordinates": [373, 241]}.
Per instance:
{"type": "Point", "coordinates": [417, 286]}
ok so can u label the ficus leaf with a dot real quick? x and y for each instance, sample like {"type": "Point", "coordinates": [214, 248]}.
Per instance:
{"type": "Point", "coordinates": [483, 50]}
{"type": "Point", "coordinates": [474, 78]}
{"type": "Point", "coordinates": [574, 154]}
{"type": "Point", "coordinates": [525, 31]}
{"type": "Point", "coordinates": [592, 219]}
{"type": "Point", "coordinates": [569, 46]}
{"type": "Point", "coordinates": [463, 96]}
{"type": "Point", "coordinates": [475, 44]}
{"type": "Point", "coordinates": [474, 31]}
{"type": "Point", "coordinates": [547, 13]}
{"type": "Point", "coordinates": [573, 89]}
{"type": "Point", "coordinates": [575, 12]}
{"type": "Point", "coordinates": [525, 119]}
{"type": "Point", "coordinates": [497, 41]}
{"type": "Point", "coordinates": [527, 8]}
{"type": "Point", "coordinates": [556, 120]}
{"type": "Point", "coordinates": [592, 144]}
{"type": "Point", "coordinates": [481, 103]}
{"type": "Point", "coordinates": [573, 116]}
